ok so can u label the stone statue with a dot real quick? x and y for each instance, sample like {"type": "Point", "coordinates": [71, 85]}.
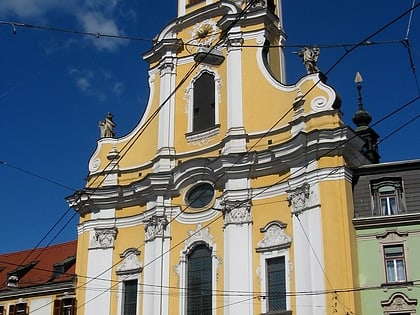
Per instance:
{"type": "Point", "coordinates": [310, 57]}
{"type": "Point", "coordinates": [107, 126]}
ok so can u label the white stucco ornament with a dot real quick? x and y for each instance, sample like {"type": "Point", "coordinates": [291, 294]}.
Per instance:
{"type": "Point", "coordinates": [94, 165]}
{"type": "Point", "coordinates": [204, 34]}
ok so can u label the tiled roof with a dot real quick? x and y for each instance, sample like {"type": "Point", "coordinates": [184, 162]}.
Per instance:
{"type": "Point", "coordinates": [52, 264]}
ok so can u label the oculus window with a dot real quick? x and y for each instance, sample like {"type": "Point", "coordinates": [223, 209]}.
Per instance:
{"type": "Point", "coordinates": [200, 196]}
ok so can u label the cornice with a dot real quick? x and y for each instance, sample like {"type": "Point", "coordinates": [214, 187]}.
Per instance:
{"type": "Point", "coordinates": [279, 158]}
{"type": "Point", "coordinates": [42, 290]}
{"type": "Point", "coordinates": [386, 221]}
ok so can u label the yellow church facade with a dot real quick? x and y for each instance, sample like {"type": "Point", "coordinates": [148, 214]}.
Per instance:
{"type": "Point", "coordinates": [233, 193]}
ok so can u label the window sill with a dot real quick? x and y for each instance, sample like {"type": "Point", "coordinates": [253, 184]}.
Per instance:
{"type": "Point", "coordinates": [391, 285]}
{"type": "Point", "coordinates": [202, 135]}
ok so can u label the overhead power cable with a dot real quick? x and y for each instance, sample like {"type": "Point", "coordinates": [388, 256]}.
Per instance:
{"type": "Point", "coordinates": [14, 25]}
{"type": "Point", "coordinates": [334, 65]}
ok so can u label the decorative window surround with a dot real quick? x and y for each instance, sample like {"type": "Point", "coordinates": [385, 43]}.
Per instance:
{"type": "Point", "coordinates": [197, 236]}
{"type": "Point", "coordinates": [391, 241]}
{"type": "Point", "coordinates": [204, 135]}
{"type": "Point", "coordinates": [129, 269]}
{"type": "Point", "coordinates": [399, 303]}
{"type": "Point", "coordinates": [130, 263]}
{"type": "Point", "coordinates": [274, 244]}
{"type": "Point", "coordinates": [387, 196]}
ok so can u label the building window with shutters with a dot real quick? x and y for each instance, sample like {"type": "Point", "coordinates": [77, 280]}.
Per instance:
{"type": "Point", "coordinates": [199, 281]}
{"type": "Point", "coordinates": [65, 306]}
{"type": "Point", "coordinates": [18, 309]}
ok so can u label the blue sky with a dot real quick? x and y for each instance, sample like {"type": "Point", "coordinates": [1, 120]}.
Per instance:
{"type": "Point", "coordinates": [56, 86]}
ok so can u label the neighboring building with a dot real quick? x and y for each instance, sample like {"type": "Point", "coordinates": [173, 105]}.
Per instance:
{"type": "Point", "coordinates": [387, 223]}
{"type": "Point", "coordinates": [39, 282]}
{"type": "Point", "coordinates": [232, 194]}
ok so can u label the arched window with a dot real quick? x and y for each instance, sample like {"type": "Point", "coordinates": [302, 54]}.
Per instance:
{"type": "Point", "coordinates": [204, 102]}
{"type": "Point", "coordinates": [199, 281]}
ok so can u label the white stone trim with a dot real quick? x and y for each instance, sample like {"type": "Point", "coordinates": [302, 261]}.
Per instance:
{"type": "Point", "coordinates": [189, 95]}
{"type": "Point", "coordinates": [128, 269]}
{"type": "Point", "coordinates": [197, 236]}
{"type": "Point", "coordinates": [275, 243]}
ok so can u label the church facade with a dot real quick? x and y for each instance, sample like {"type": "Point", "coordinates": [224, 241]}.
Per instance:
{"type": "Point", "coordinates": [233, 194]}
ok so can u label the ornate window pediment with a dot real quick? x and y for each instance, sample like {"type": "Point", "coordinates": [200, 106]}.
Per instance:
{"type": "Point", "coordinates": [399, 303]}
{"type": "Point", "coordinates": [274, 237]}
{"type": "Point", "coordinates": [130, 263]}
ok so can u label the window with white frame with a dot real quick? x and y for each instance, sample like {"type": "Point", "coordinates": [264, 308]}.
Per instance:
{"type": "Point", "coordinates": [388, 198]}
{"type": "Point", "coordinates": [393, 250]}
{"type": "Point", "coordinates": [273, 273]}
{"type": "Point", "coordinates": [203, 101]}
{"type": "Point", "coordinates": [197, 272]}
{"type": "Point", "coordinates": [128, 272]}
{"type": "Point", "coordinates": [394, 263]}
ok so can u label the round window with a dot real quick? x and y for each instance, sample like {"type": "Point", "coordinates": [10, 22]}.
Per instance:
{"type": "Point", "coordinates": [200, 196]}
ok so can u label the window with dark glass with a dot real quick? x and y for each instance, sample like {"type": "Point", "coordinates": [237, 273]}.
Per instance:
{"type": "Point", "coordinates": [200, 196]}
{"type": "Point", "coordinates": [65, 306]}
{"type": "Point", "coordinates": [395, 263]}
{"type": "Point", "coordinates": [191, 2]}
{"type": "Point", "coordinates": [130, 297]}
{"type": "Point", "coordinates": [199, 281]}
{"type": "Point", "coordinates": [2, 310]}
{"type": "Point", "coordinates": [204, 100]}
{"type": "Point", "coordinates": [276, 284]}
{"type": "Point", "coordinates": [18, 309]}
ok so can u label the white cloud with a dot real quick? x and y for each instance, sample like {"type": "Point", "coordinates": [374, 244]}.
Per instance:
{"type": "Point", "coordinates": [118, 88]}
{"type": "Point", "coordinates": [83, 83]}
{"type": "Point", "coordinates": [93, 16]}
{"type": "Point", "coordinates": [89, 83]}
{"type": "Point", "coordinates": [28, 8]}
{"type": "Point", "coordinates": [96, 22]}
